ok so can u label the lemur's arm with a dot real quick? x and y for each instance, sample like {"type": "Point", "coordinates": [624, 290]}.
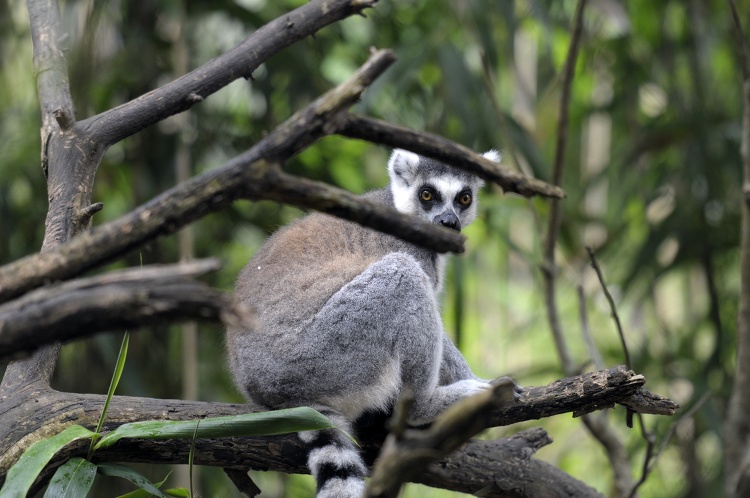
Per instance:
{"type": "Point", "coordinates": [453, 367]}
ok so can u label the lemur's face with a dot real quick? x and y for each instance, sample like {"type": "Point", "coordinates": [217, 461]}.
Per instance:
{"type": "Point", "coordinates": [433, 190]}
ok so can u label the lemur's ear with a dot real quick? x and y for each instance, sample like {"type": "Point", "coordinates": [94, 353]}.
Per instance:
{"type": "Point", "coordinates": [493, 155]}
{"type": "Point", "coordinates": [403, 165]}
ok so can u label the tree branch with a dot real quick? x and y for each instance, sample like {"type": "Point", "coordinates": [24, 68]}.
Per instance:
{"type": "Point", "coordinates": [51, 70]}
{"type": "Point", "coordinates": [114, 301]}
{"type": "Point", "coordinates": [407, 453]}
{"type": "Point", "coordinates": [549, 267]}
{"type": "Point", "coordinates": [181, 94]}
{"type": "Point", "coordinates": [36, 411]}
{"type": "Point", "coordinates": [437, 147]}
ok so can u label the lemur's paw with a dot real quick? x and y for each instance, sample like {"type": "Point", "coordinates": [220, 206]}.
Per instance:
{"type": "Point", "coordinates": [509, 387]}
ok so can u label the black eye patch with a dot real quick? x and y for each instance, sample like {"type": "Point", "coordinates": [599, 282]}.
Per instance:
{"type": "Point", "coordinates": [428, 195]}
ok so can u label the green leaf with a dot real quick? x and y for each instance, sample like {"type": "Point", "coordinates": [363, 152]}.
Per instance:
{"type": "Point", "coordinates": [247, 424]}
{"type": "Point", "coordinates": [119, 367]}
{"type": "Point", "coordinates": [21, 476]}
{"type": "Point", "coordinates": [178, 492]}
{"type": "Point", "coordinates": [73, 479]}
{"type": "Point", "coordinates": [116, 470]}
{"type": "Point", "coordinates": [191, 455]}
{"type": "Point", "coordinates": [140, 493]}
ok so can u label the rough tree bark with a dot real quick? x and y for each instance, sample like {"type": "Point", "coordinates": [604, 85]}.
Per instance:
{"type": "Point", "coordinates": [71, 153]}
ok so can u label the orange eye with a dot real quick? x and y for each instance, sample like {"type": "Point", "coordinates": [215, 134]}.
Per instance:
{"type": "Point", "coordinates": [465, 199]}
{"type": "Point", "coordinates": [426, 195]}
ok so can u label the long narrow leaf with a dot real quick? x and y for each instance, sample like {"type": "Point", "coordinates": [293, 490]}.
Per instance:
{"type": "Point", "coordinates": [140, 493]}
{"type": "Point", "coordinates": [116, 470]}
{"type": "Point", "coordinates": [191, 455]}
{"type": "Point", "coordinates": [73, 479]}
{"type": "Point", "coordinates": [248, 424]}
{"type": "Point", "coordinates": [178, 492]}
{"type": "Point", "coordinates": [119, 367]}
{"type": "Point", "coordinates": [21, 476]}
{"type": "Point", "coordinates": [171, 492]}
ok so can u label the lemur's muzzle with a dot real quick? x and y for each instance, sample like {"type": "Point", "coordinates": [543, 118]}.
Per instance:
{"type": "Point", "coordinates": [448, 219]}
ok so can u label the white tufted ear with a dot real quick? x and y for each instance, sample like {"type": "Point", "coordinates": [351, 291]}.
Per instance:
{"type": "Point", "coordinates": [493, 155]}
{"type": "Point", "coordinates": [402, 166]}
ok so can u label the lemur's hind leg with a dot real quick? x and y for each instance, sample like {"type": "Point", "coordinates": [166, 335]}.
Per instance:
{"type": "Point", "coordinates": [387, 319]}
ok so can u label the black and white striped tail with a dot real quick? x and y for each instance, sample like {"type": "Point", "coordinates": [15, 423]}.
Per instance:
{"type": "Point", "coordinates": [335, 461]}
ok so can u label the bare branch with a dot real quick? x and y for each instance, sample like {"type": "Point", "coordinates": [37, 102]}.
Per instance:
{"type": "Point", "coordinates": [612, 305]}
{"type": "Point", "coordinates": [123, 121]}
{"type": "Point", "coordinates": [648, 403]}
{"type": "Point", "coordinates": [114, 301]}
{"type": "Point", "coordinates": [549, 267]}
{"type": "Point", "coordinates": [407, 453]}
{"type": "Point", "coordinates": [588, 339]}
{"type": "Point", "coordinates": [243, 482]}
{"type": "Point", "coordinates": [437, 147]}
{"type": "Point", "coordinates": [50, 66]}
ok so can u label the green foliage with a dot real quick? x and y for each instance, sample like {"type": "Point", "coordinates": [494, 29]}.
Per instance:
{"type": "Point", "coordinates": [117, 470]}
{"type": "Point", "coordinates": [21, 476]}
{"type": "Point", "coordinates": [72, 479]}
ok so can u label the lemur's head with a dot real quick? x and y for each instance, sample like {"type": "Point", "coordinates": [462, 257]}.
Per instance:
{"type": "Point", "coordinates": [433, 190]}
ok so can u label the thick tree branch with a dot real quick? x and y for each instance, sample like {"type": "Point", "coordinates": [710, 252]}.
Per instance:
{"type": "Point", "coordinates": [51, 69]}
{"type": "Point", "coordinates": [36, 411]}
{"type": "Point", "coordinates": [114, 301]}
{"type": "Point", "coordinates": [442, 149]}
{"type": "Point", "coordinates": [68, 191]}
{"type": "Point", "coordinates": [179, 95]}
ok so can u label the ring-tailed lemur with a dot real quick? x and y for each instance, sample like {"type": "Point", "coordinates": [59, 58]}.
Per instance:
{"type": "Point", "coordinates": [349, 316]}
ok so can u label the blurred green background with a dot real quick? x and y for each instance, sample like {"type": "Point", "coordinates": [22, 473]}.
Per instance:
{"type": "Point", "coordinates": [652, 174]}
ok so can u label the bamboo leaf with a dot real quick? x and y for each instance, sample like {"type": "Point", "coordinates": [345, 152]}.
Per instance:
{"type": "Point", "coordinates": [73, 479]}
{"type": "Point", "coordinates": [116, 470]}
{"type": "Point", "coordinates": [119, 367]}
{"type": "Point", "coordinates": [178, 492]}
{"type": "Point", "coordinates": [21, 476]}
{"type": "Point", "coordinates": [248, 424]}
{"type": "Point", "coordinates": [140, 493]}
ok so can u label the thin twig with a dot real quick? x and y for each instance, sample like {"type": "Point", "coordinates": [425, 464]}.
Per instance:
{"type": "Point", "coordinates": [647, 436]}
{"type": "Point", "coordinates": [612, 306]}
{"type": "Point", "coordinates": [549, 269]}
{"type": "Point", "coordinates": [685, 416]}
{"type": "Point", "coordinates": [596, 357]}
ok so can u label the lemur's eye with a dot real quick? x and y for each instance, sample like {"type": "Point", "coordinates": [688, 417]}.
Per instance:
{"type": "Point", "coordinates": [426, 195]}
{"type": "Point", "coordinates": [464, 199]}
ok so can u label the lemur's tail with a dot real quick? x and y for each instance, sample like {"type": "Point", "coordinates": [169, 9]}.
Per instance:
{"type": "Point", "coordinates": [334, 460]}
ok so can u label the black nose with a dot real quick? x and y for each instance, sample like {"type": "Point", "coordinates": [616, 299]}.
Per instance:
{"type": "Point", "coordinates": [449, 220]}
